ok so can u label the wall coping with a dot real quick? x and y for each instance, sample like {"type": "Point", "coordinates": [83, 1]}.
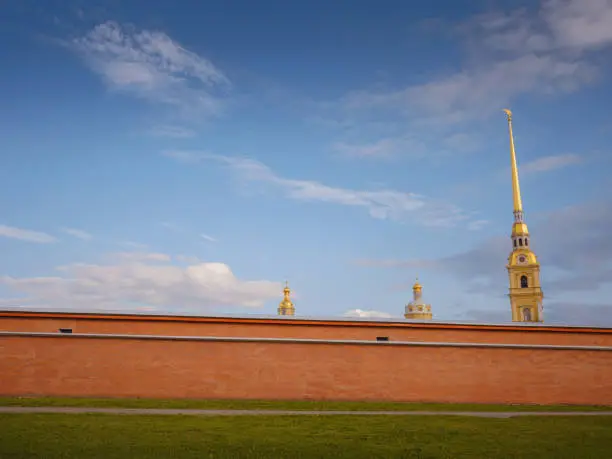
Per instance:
{"type": "Point", "coordinates": [303, 321]}
{"type": "Point", "coordinates": [301, 341]}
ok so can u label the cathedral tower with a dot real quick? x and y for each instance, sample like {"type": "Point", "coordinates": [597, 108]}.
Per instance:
{"type": "Point", "coordinates": [417, 309]}
{"type": "Point", "coordinates": [286, 308]}
{"type": "Point", "coordinates": [523, 267]}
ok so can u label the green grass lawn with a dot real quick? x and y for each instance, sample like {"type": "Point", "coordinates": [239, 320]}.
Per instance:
{"type": "Point", "coordinates": [101, 436]}
{"type": "Point", "coordinates": [279, 405]}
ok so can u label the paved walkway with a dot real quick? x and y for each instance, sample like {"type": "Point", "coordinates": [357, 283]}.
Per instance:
{"type": "Point", "coordinates": [154, 411]}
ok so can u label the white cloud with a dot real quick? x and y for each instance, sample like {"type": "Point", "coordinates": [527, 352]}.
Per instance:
{"type": "Point", "coordinates": [26, 235]}
{"type": "Point", "coordinates": [580, 24]}
{"type": "Point", "coordinates": [208, 238]}
{"type": "Point", "coordinates": [381, 204]}
{"type": "Point", "coordinates": [367, 314]}
{"type": "Point", "coordinates": [150, 65]}
{"type": "Point", "coordinates": [80, 234]}
{"type": "Point", "coordinates": [135, 282]}
{"type": "Point", "coordinates": [549, 163]}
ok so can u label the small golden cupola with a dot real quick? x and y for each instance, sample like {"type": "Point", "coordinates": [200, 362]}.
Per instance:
{"type": "Point", "coordinates": [286, 307]}
{"type": "Point", "coordinates": [417, 309]}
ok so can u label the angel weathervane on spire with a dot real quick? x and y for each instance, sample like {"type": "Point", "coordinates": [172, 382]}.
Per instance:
{"type": "Point", "coordinates": [508, 114]}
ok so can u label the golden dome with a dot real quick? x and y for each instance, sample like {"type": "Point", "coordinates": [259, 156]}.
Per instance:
{"type": "Point", "coordinates": [416, 285]}
{"type": "Point", "coordinates": [285, 307]}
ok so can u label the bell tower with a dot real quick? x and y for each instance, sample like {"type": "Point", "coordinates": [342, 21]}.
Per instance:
{"type": "Point", "coordinates": [523, 267]}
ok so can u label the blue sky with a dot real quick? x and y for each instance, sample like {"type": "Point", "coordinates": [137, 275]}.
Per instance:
{"type": "Point", "coordinates": [191, 156]}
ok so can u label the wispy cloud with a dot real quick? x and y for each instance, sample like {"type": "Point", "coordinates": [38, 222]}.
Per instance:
{"type": "Point", "coordinates": [176, 228]}
{"type": "Point", "coordinates": [171, 226]}
{"type": "Point", "coordinates": [477, 225]}
{"type": "Point", "coordinates": [579, 24]}
{"type": "Point", "coordinates": [549, 163]}
{"type": "Point", "coordinates": [381, 204]}
{"type": "Point", "coordinates": [137, 281]}
{"type": "Point", "coordinates": [556, 313]}
{"type": "Point", "coordinates": [585, 242]}
{"type": "Point", "coordinates": [542, 50]}
{"type": "Point", "coordinates": [192, 259]}
{"type": "Point", "coordinates": [152, 66]}
{"type": "Point", "coordinates": [176, 132]}
{"type": "Point", "coordinates": [80, 234]}
{"type": "Point", "coordinates": [367, 314]}
{"type": "Point", "coordinates": [133, 245]}
{"type": "Point", "coordinates": [143, 256]}
{"type": "Point", "coordinates": [384, 148]}
{"type": "Point", "coordinates": [26, 235]}
{"type": "Point", "coordinates": [474, 93]}
{"type": "Point", "coordinates": [208, 238]}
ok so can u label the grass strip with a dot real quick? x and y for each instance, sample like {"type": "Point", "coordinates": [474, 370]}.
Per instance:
{"type": "Point", "coordinates": [101, 436]}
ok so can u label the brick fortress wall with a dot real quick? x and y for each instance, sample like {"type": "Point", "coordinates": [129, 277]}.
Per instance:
{"type": "Point", "coordinates": [332, 366]}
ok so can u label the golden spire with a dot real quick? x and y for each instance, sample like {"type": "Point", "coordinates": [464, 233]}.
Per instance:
{"type": "Point", "coordinates": [285, 307]}
{"type": "Point", "coordinates": [416, 285]}
{"type": "Point", "coordinates": [516, 189]}
{"type": "Point", "coordinates": [523, 267]}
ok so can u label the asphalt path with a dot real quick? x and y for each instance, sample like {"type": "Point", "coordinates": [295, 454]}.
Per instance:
{"type": "Point", "coordinates": [192, 412]}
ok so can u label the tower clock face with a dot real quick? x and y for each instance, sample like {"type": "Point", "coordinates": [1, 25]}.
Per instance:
{"type": "Point", "coordinates": [522, 259]}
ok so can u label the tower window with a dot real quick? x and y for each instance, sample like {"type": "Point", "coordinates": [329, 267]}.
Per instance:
{"type": "Point", "coordinates": [527, 314]}
{"type": "Point", "coordinates": [526, 242]}
{"type": "Point", "coordinates": [524, 282]}
{"type": "Point", "coordinates": [515, 243]}
{"type": "Point", "coordinates": [521, 242]}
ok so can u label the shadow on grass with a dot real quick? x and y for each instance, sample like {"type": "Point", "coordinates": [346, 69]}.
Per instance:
{"type": "Point", "coordinates": [279, 405]}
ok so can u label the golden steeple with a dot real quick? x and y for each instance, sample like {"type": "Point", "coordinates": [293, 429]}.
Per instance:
{"type": "Point", "coordinates": [417, 309]}
{"type": "Point", "coordinates": [516, 188]}
{"type": "Point", "coordinates": [523, 267]}
{"type": "Point", "coordinates": [519, 227]}
{"type": "Point", "coordinates": [285, 307]}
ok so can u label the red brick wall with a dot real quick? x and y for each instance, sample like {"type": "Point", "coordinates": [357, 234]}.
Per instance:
{"type": "Point", "coordinates": [120, 367]}
{"type": "Point", "coordinates": [315, 330]}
